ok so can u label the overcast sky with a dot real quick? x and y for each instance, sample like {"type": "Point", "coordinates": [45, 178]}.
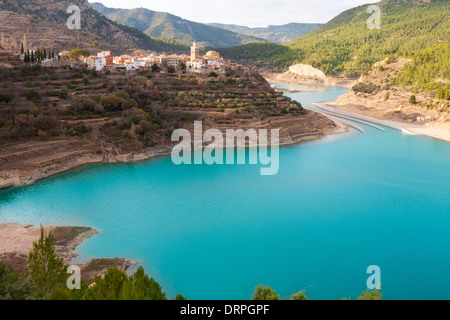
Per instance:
{"type": "Point", "coordinates": [252, 13]}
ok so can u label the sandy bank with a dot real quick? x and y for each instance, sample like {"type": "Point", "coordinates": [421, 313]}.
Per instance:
{"type": "Point", "coordinates": [391, 103]}
{"type": "Point", "coordinates": [412, 119]}
{"type": "Point", "coordinates": [16, 241]}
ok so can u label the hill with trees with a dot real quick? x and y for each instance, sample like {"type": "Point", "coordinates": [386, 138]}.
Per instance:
{"type": "Point", "coordinates": [345, 45]}
{"type": "Point", "coordinates": [278, 34]}
{"type": "Point", "coordinates": [45, 23]}
{"type": "Point", "coordinates": [172, 28]}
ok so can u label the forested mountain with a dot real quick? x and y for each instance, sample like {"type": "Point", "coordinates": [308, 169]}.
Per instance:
{"type": "Point", "coordinates": [429, 71]}
{"type": "Point", "coordinates": [170, 27]}
{"type": "Point", "coordinates": [345, 45]}
{"type": "Point", "coordinates": [44, 22]}
{"type": "Point", "coordinates": [278, 34]}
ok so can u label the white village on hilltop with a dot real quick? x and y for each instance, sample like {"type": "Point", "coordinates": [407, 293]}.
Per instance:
{"type": "Point", "coordinates": [211, 61]}
{"type": "Point", "coordinates": [102, 61]}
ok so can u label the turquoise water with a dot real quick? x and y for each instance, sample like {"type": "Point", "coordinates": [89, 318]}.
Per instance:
{"type": "Point", "coordinates": [337, 206]}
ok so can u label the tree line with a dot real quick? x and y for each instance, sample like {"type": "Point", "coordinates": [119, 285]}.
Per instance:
{"type": "Point", "coordinates": [345, 46]}
{"type": "Point", "coordinates": [46, 279]}
{"type": "Point", "coordinates": [37, 55]}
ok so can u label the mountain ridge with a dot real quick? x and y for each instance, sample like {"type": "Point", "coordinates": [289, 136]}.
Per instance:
{"type": "Point", "coordinates": [345, 45]}
{"type": "Point", "coordinates": [44, 22]}
{"type": "Point", "coordinates": [274, 33]}
{"type": "Point", "coordinates": [167, 26]}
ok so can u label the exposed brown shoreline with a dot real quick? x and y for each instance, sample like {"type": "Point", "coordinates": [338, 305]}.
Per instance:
{"type": "Point", "coordinates": [24, 163]}
{"type": "Point", "coordinates": [56, 164]}
{"type": "Point", "coordinates": [16, 239]}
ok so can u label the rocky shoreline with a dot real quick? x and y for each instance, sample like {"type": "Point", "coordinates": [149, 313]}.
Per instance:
{"type": "Point", "coordinates": [25, 163]}
{"type": "Point", "coordinates": [17, 177]}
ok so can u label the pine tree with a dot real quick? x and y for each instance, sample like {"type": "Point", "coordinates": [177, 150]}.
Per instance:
{"type": "Point", "coordinates": [265, 293]}
{"type": "Point", "coordinates": [299, 296]}
{"type": "Point", "coordinates": [370, 295]}
{"type": "Point", "coordinates": [32, 57]}
{"type": "Point", "coordinates": [21, 48]}
{"type": "Point", "coordinates": [45, 269]}
{"type": "Point", "coordinates": [12, 287]}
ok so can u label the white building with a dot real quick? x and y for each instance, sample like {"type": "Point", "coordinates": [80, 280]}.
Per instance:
{"type": "Point", "coordinates": [104, 54]}
{"type": "Point", "coordinates": [216, 63]}
{"type": "Point", "coordinates": [194, 65]}
{"type": "Point", "coordinates": [173, 61]}
{"type": "Point", "coordinates": [130, 65]}
{"type": "Point", "coordinates": [96, 63]}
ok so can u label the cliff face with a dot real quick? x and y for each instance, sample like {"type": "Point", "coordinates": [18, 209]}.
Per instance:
{"type": "Point", "coordinates": [308, 71]}
{"type": "Point", "coordinates": [304, 74]}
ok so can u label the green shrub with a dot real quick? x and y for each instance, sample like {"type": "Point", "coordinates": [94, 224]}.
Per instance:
{"type": "Point", "coordinates": [63, 95]}
{"type": "Point", "coordinates": [118, 101]}
{"type": "Point", "coordinates": [6, 98]}
{"type": "Point", "coordinates": [34, 96]}
{"type": "Point", "coordinates": [365, 87]}
{"type": "Point", "coordinates": [265, 293]}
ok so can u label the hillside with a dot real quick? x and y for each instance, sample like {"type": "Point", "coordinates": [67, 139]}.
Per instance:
{"type": "Point", "coordinates": [44, 22]}
{"type": "Point", "coordinates": [170, 27]}
{"type": "Point", "coordinates": [278, 34]}
{"type": "Point", "coordinates": [346, 46]}
{"type": "Point", "coordinates": [382, 93]}
{"type": "Point", "coordinates": [54, 119]}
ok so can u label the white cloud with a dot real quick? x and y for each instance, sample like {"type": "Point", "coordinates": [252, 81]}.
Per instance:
{"type": "Point", "coordinates": [249, 12]}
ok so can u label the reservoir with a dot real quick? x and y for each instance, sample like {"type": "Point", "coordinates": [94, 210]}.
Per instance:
{"type": "Point", "coordinates": [336, 206]}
